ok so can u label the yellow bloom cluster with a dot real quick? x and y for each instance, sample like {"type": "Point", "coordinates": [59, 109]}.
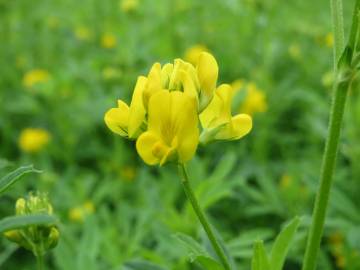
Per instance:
{"type": "Point", "coordinates": [33, 140]}
{"type": "Point", "coordinates": [79, 213]}
{"type": "Point", "coordinates": [35, 76]}
{"type": "Point", "coordinates": [166, 106]}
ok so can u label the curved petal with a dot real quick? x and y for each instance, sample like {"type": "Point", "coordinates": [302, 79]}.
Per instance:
{"type": "Point", "coordinates": [207, 71]}
{"type": "Point", "coordinates": [145, 147]}
{"type": "Point", "coordinates": [159, 112]}
{"type": "Point", "coordinates": [117, 119]}
{"type": "Point", "coordinates": [166, 72]}
{"type": "Point", "coordinates": [239, 126]}
{"type": "Point", "coordinates": [137, 110]}
{"type": "Point", "coordinates": [189, 86]}
{"type": "Point", "coordinates": [153, 83]}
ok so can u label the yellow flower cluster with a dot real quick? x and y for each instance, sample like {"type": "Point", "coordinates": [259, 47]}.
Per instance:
{"type": "Point", "coordinates": [35, 76]}
{"type": "Point", "coordinates": [166, 106]}
{"type": "Point", "coordinates": [79, 213]}
{"type": "Point", "coordinates": [32, 140]}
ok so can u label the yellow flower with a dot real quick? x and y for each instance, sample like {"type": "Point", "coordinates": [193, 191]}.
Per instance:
{"type": "Point", "coordinates": [127, 121]}
{"type": "Point", "coordinates": [329, 40]}
{"type": "Point", "coordinates": [285, 181]}
{"type": "Point", "coordinates": [295, 51]}
{"type": "Point", "coordinates": [237, 85]}
{"type": "Point", "coordinates": [110, 73]}
{"type": "Point", "coordinates": [79, 213]}
{"type": "Point", "coordinates": [33, 140]}
{"type": "Point", "coordinates": [108, 41]}
{"type": "Point", "coordinates": [82, 33]}
{"type": "Point", "coordinates": [129, 5]}
{"type": "Point", "coordinates": [35, 76]}
{"type": "Point", "coordinates": [217, 121]}
{"type": "Point", "coordinates": [255, 100]}
{"type": "Point", "coordinates": [173, 129]}
{"type": "Point", "coordinates": [192, 54]}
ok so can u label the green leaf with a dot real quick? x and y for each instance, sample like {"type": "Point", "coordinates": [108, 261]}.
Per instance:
{"type": "Point", "coordinates": [197, 252]}
{"type": "Point", "coordinates": [17, 222]}
{"type": "Point", "coordinates": [260, 259]}
{"type": "Point", "coordinates": [282, 244]}
{"type": "Point", "coordinates": [11, 178]}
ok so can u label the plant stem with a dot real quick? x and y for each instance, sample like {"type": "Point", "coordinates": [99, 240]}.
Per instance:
{"type": "Point", "coordinates": [202, 218]}
{"type": "Point", "coordinates": [341, 89]}
{"type": "Point", "coordinates": [40, 261]}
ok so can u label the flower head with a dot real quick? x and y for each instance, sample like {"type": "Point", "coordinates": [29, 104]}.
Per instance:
{"type": "Point", "coordinates": [172, 133]}
{"type": "Point", "coordinates": [35, 76]}
{"type": "Point", "coordinates": [108, 41]}
{"type": "Point", "coordinates": [33, 140]}
{"type": "Point", "coordinates": [192, 54]}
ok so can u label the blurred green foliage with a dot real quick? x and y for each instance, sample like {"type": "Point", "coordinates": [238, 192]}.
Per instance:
{"type": "Point", "coordinates": [116, 212]}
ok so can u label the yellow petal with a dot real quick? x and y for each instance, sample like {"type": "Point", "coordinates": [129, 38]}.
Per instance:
{"type": "Point", "coordinates": [116, 119]}
{"type": "Point", "coordinates": [166, 72]}
{"type": "Point", "coordinates": [207, 71]}
{"type": "Point", "coordinates": [189, 86]}
{"type": "Point", "coordinates": [153, 83]}
{"type": "Point", "coordinates": [145, 147]}
{"type": "Point", "coordinates": [239, 126]}
{"type": "Point", "coordinates": [137, 110]}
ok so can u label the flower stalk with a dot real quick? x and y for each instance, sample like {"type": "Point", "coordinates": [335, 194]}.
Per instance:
{"type": "Point", "coordinates": [202, 218]}
{"type": "Point", "coordinates": [345, 68]}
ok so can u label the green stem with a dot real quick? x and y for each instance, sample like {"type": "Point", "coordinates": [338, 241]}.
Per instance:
{"type": "Point", "coordinates": [341, 89]}
{"type": "Point", "coordinates": [40, 261]}
{"type": "Point", "coordinates": [202, 218]}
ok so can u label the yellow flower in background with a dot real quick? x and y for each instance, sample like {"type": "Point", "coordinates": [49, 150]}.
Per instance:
{"type": "Point", "coordinates": [237, 85]}
{"type": "Point", "coordinates": [33, 140]}
{"type": "Point", "coordinates": [127, 121]}
{"type": "Point", "coordinates": [110, 73]}
{"type": "Point", "coordinates": [108, 41]}
{"type": "Point", "coordinates": [129, 5]}
{"type": "Point", "coordinates": [128, 172]}
{"type": "Point", "coordinates": [173, 132]}
{"type": "Point", "coordinates": [82, 33]}
{"type": "Point", "coordinates": [79, 213]}
{"type": "Point", "coordinates": [192, 54]}
{"type": "Point", "coordinates": [217, 120]}
{"type": "Point", "coordinates": [294, 51]}
{"type": "Point", "coordinates": [255, 100]}
{"type": "Point", "coordinates": [329, 40]}
{"type": "Point", "coordinates": [285, 181]}
{"type": "Point", "coordinates": [35, 76]}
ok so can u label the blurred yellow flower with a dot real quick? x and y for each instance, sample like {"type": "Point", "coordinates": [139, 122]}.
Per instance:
{"type": "Point", "coordinates": [109, 73]}
{"type": "Point", "coordinates": [173, 132]}
{"type": "Point", "coordinates": [192, 54]}
{"type": "Point", "coordinates": [33, 140]}
{"type": "Point", "coordinates": [329, 40]}
{"type": "Point", "coordinates": [238, 84]}
{"type": "Point", "coordinates": [327, 79]}
{"type": "Point", "coordinates": [217, 120]}
{"type": "Point", "coordinates": [82, 33]}
{"type": "Point", "coordinates": [129, 5]}
{"type": "Point", "coordinates": [285, 181]}
{"type": "Point", "coordinates": [294, 51]}
{"type": "Point", "coordinates": [108, 41]}
{"type": "Point", "coordinates": [35, 76]}
{"type": "Point", "coordinates": [79, 213]}
{"type": "Point", "coordinates": [128, 173]}
{"type": "Point", "coordinates": [255, 100]}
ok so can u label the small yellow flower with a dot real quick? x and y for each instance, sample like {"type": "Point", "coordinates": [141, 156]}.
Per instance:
{"type": "Point", "coordinates": [79, 213]}
{"type": "Point", "coordinates": [294, 51]}
{"type": "Point", "coordinates": [128, 173]}
{"type": "Point", "coordinates": [217, 121]}
{"type": "Point", "coordinates": [128, 5]}
{"type": "Point", "coordinates": [329, 40]}
{"type": "Point", "coordinates": [110, 73]}
{"type": "Point", "coordinates": [35, 76]}
{"type": "Point", "coordinates": [108, 41]}
{"type": "Point", "coordinates": [82, 33]}
{"type": "Point", "coordinates": [33, 140]}
{"type": "Point", "coordinates": [285, 181]}
{"type": "Point", "coordinates": [192, 54]}
{"type": "Point", "coordinates": [173, 133]}
{"type": "Point", "coordinates": [255, 100]}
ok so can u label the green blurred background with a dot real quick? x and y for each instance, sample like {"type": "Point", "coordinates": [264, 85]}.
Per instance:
{"type": "Point", "coordinates": [63, 63]}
